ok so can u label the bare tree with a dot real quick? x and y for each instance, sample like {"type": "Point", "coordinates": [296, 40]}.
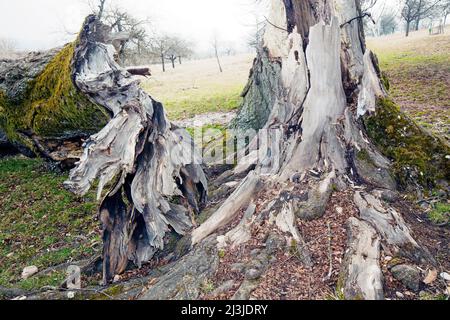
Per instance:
{"type": "Point", "coordinates": [387, 23]}
{"type": "Point", "coordinates": [415, 10]}
{"type": "Point", "coordinates": [215, 45]}
{"type": "Point", "coordinates": [445, 9]}
{"type": "Point", "coordinates": [97, 7]}
{"type": "Point", "coordinates": [8, 48]}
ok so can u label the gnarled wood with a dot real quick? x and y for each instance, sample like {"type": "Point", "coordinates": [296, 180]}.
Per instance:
{"type": "Point", "coordinates": [150, 162]}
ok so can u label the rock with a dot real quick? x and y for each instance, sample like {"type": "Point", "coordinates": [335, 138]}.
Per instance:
{"type": "Point", "coordinates": [29, 272]}
{"type": "Point", "coordinates": [184, 279]}
{"type": "Point", "coordinates": [253, 274]}
{"type": "Point", "coordinates": [388, 258]}
{"type": "Point", "coordinates": [399, 295]}
{"type": "Point", "coordinates": [389, 196]}
{"type": "Point", "coordinates": [116, 279]}
{"type": "Point", "coordinates": [431, 277]}
{"type": "Point", "coordinates": [70, 295]}
{"type": "Point", "coordinates": [339, 210]}
{"type": "Point", "coordinates": [445, 276]}
{"type": "Point", "coordinates": [274, 243]}
{"type": "Point", "coordinates": [9, 255]}
{"type": "Point", "coordinates": [408, 276]}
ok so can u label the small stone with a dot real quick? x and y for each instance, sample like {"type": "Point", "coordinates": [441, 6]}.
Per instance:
{"type": "Point", "coordinates": [116, 279]}
{"type": "Point", "coordinates": [389, 196]}
{"type": "Point", "coordinates": [253, 274]}
{"type": "Point", "coordinates": [431, 277]}
{"type": "Point", "coordinates": [388, 258]}
{"type": "Point", "coordinates": [70, 295]}
{"type": "Point", "coordinates": [339, 210]}
{"type": "Point", "coordinates": [29, 272]}
{"type": "Point", "coordinates": [409, 276]}
{"type": "Point", "coordinates": [9, 255]}
{"type": "Point", "coordinates": [399, 295]}
{"type": "Point", "coordinates": [445, 276]}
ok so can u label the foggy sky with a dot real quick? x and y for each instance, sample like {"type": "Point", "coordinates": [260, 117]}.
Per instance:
{"type": "Point", "coordinates": [43, 24]}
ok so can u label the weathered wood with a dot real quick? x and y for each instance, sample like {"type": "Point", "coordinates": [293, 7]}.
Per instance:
{"type": "Point", "coordinates": [228, 211]}
{"type": "Point", "coordinates": [150, 162]}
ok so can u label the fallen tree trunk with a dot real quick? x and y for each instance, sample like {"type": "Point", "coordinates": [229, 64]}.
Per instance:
{"type": "Point", "coordinates": [41, 111]}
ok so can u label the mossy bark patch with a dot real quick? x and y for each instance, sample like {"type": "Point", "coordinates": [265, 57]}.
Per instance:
{"type": "Point", "coordinates": [417, 155]}
{"type": "Point", "coordinates": [52, 106]}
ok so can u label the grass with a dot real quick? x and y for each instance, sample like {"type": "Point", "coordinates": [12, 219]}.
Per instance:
{"type": "Point", "coordinates": [197, 87]}
{"type": "Point", "coordinates": [41, 223]}
{"type": "Point", "coordinates": [418, 68]}
{"type": "Point", "coordinates": [188, 107]}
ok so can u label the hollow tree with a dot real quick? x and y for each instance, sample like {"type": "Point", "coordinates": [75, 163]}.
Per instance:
{"type": "Point", "coordinates": [318, 92]}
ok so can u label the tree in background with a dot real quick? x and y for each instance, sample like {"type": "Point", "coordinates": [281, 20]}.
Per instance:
{"type": "Point", "coordinates": [415, 10]}
{"type": "Point", "coordinates": [388, 23]}
{"type": "Point", "coordinates": [445, 10]}
{"type": "Point", "coordinates": [215, 45]}
{"type": "Point", "coordinates": [8, 48]}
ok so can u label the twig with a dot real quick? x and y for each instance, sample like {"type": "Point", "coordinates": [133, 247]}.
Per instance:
{"type": "Point", "coordinates": [366, 14]}
{"type": "Point", "coordinates": [275, 26]}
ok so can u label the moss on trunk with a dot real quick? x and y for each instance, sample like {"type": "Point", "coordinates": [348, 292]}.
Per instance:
{"type": "Point", "coordinates": [417, 155]}
{"type": "Point", "coordinates": [52, 106]}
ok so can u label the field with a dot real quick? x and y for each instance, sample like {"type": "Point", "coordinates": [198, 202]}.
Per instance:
{"type": "Point", "coordinates": [42, 224]}
{"type": "Point", "coordinates": [196, 87]}
{"type": "Point", "coordinates": [418, 69]}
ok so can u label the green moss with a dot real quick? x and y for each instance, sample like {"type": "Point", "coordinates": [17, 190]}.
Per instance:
{"type": "Point", "coordinates": [52, 106]}
{"type": "Point", "coordinates": [222, 253]}
{"type": "Point", "coordinates": [417, 155]}
{"type": "Point", "coordinates": [385, 81]}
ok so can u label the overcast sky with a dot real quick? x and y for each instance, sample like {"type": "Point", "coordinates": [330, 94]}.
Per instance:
{"type": "Point", "coordinates": [43, 24]}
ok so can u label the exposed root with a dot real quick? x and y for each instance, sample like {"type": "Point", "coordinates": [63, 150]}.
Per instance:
{"type": "Point", "coordinates": [361, 277]}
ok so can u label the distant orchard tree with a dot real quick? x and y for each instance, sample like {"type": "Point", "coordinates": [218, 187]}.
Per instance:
{"type": "Point", "coordinates": [8, 48]}
{"type": "Point", "coordinates": [415, 10]}
{"type": "Point", "coordinates": [388, 23]}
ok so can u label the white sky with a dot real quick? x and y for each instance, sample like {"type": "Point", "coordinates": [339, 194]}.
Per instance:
{"type": "Point", "coordinates": [43, 24]}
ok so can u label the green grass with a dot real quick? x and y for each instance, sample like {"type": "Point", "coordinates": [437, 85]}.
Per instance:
{"type": "Point", "coordinates": [191, 105]}
{"type": "Point", "coordinates": [417, 78]}
{"type": "Point", "coordinates": [418, 69]}
{"type": "Point", "coordinates": [440, 213]}
{"type": "Point", "coordinates": [41, 223]}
